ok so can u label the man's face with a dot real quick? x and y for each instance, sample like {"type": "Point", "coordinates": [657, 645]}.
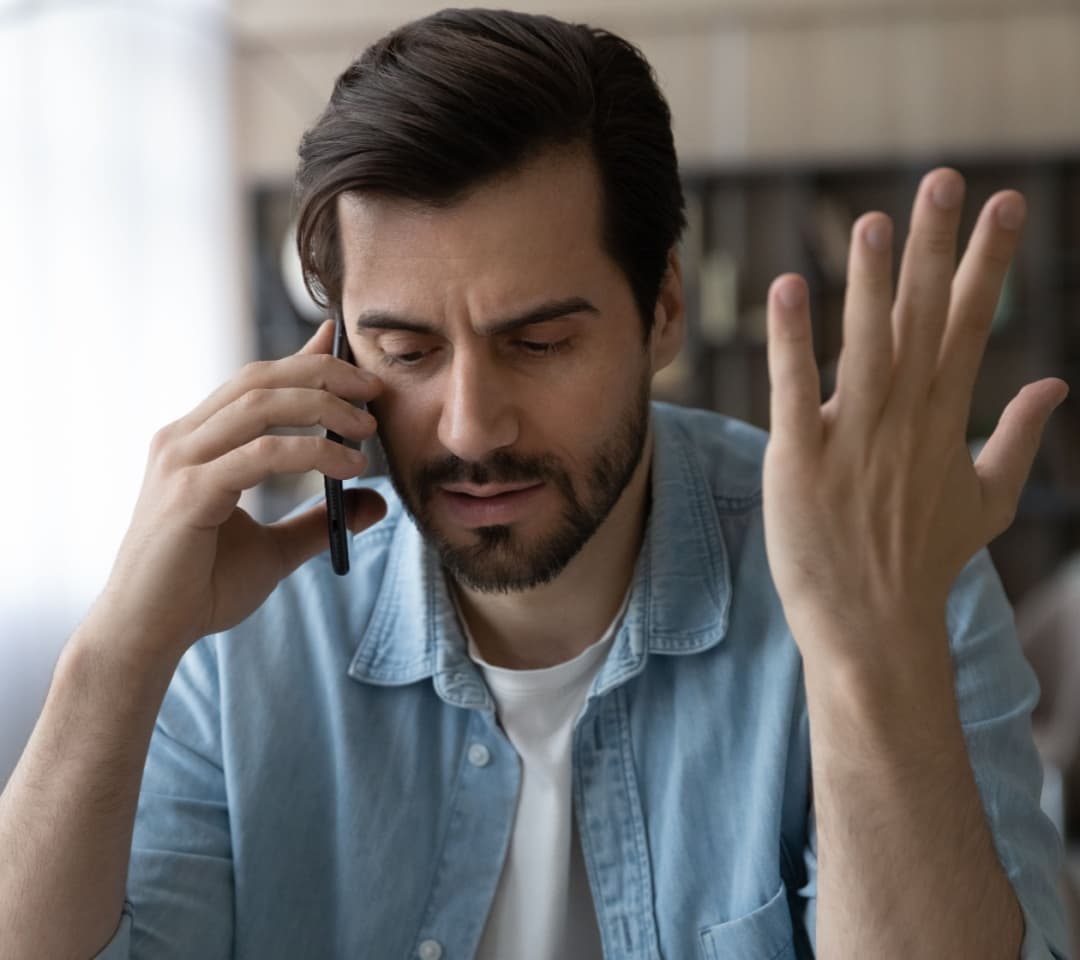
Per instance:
{"type": "Point", "coordinates": [515, 409]}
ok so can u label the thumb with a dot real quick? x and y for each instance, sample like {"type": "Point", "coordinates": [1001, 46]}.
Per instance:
{"type": "Point", "coordinates": [305, 535]}
{"type": "Point", "coordinates": [322, 341]}
{"type": "Point", "coordinates": [363, 508]}
{"type": "Point", "coordinates": [1006, 459]}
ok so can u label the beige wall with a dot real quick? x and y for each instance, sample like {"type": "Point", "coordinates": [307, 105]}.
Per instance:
{"type": "Point", "coordinates": [768, 80]}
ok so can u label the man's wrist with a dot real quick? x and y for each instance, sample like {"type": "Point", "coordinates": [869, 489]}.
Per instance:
{"type": "Point", "coordinates": [881, 690]}
{"type": "Point", "coordinates": [853, 628]}
{"type": "Point", "coordinates": [108, 641]}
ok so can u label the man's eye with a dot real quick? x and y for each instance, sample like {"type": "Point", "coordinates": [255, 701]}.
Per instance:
{"type": "Point", "coordinates": [409, 359]}
{"type": "Point", "coordinates": [540, 348]}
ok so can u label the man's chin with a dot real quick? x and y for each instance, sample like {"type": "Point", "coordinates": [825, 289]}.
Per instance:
{"type": "Point", "coordinates": [496, 559]}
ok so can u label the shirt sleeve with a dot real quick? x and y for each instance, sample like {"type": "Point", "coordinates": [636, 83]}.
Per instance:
{"type": "Point", "coordinates": [996, 691]}
{"type": "Point", "coordinates": [180, 881]}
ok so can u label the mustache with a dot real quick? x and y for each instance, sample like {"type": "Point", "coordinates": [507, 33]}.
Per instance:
{"type": "Point", "coordinates": [500, 467]}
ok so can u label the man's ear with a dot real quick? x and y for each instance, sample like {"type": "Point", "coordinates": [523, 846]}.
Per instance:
{"type": "Point", "coordinates": [669, 317]}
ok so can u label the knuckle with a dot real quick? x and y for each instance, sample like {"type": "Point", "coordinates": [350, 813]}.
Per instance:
{"type": "Point", "coordinates": [253, 371]}
{"type": "Point", "coordinates": [937, 242]}
{"type": "Point", "coordinates": [337, 406]}
{"type": "Point", "coordinates": [162, 440]}
{"type": "Point", "coordinates": [323, 372]}
{"type": "Point", "coordinates": [878, 280]}
{"type": "Point", "coordinates": [163, 447]}
{"type": "Point", "coordinates": [185, 485]}
{"type": "Point", "coordinates": [266, 448]}
{"type": "Point", "coordinates": [997, 257]}
{"type": "Point", "coordinates": [254, 402]}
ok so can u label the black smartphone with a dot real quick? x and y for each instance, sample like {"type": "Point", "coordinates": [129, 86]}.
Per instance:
{"type": "Point", "coordinates": [335, 499]}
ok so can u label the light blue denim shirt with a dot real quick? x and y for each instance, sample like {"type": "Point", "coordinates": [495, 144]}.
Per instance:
{"type": "Point", "coordinates": [314, 787]}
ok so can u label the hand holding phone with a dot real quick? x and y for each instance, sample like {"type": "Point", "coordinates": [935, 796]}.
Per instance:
{"type": "Point", "coordinates": [193, 562]}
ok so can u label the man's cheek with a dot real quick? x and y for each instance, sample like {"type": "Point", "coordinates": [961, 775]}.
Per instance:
{"type": "Point", "coordinates": [395, 413]}
{"type": "Point", "coordinates": [387, 420]}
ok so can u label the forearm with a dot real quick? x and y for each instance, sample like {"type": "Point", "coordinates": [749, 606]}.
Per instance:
{"type": "Point", "coordinates": [907, 867]}
{"type": "Point", "coordinates": [67, 813]}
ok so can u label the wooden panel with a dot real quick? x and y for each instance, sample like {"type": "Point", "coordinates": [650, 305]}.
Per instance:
{"type": "Point", "coordinates": [704, 80]}
{"type": "Point", "coordinates": [280, 91]}
{"type": "Point", "coordinates": [1040, 79]}
{"type": "Point", "coordinates": [286, 17]}
{"type": "Point", "coordinates": [914, 87]}
{"type": "Point", "coordinates": [821, 90]}
{"type": "Point", "coordinates": [279, 94]}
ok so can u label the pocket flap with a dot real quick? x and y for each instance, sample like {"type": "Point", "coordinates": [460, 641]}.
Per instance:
{"type": "Point", "coordinates": [765, 934]}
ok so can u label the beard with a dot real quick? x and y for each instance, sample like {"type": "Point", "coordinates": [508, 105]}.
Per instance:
{"type": "Point", "coordinates": [501, 559]}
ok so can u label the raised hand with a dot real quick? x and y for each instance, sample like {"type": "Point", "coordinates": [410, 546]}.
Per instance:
{"type": "Point", "coordinates": [193, 562]}
{"type": "Point", "coordinates": [872, 502]}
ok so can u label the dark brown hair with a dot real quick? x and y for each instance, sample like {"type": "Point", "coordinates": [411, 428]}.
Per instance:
{"type": "Point", "coordinates": [449, 101]}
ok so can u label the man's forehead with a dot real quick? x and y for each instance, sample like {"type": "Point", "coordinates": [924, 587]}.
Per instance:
{"type": "Point", "coordinates": [549, 209]}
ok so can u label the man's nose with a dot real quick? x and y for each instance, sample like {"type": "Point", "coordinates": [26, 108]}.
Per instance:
{"type": "Point", "coordinates": [477, 412]}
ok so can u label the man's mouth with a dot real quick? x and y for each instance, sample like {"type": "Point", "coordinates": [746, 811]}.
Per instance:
{"type": "Point", "coordinates": [489, 504]}
{"type": "Point", "coordinates": [486, 490]}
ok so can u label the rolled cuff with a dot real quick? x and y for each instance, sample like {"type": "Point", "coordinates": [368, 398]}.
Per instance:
{"type": "Point", "coordinates": [1034, 945]}
{"type": "Point", "coordinates": [119, 948]}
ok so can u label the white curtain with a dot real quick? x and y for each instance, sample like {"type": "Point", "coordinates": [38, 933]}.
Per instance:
{"type": "Point", "coordinates": [120, 269]}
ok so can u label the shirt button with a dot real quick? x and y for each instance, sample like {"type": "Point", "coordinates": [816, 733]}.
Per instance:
{"type": "Point", "coordinates": [430, 950]}
{"type": "Point", "coordinates": [479, 755]}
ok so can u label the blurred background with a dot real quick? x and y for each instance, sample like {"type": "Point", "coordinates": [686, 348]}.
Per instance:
{"type": "Point", "coordinates": [145, 210]}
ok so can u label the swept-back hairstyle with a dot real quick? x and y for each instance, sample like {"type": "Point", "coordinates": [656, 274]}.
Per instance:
{"type": "Point", "coordinates": [449, 101]}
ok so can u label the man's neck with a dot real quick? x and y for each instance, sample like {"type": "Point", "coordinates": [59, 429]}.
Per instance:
{"type": "Point", "coordinates": [553, 623]}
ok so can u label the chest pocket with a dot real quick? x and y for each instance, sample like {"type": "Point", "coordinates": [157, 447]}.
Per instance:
{"type": "Point", "coordinates": [765, 934]}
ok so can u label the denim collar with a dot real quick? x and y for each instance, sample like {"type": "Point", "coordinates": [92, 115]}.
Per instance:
{"type": "Point", "coordinates": [679, 602]}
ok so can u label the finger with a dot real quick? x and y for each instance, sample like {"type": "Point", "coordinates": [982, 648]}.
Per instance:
{"type": "Point", "coordinates": [316, 370]}
{"type": "Point", "coordinates": [976, 289]}
{"type": "Point", "coordinates": [304, 536]}
{"type": "Point", "coordinates": [926, 272]}
{"type": "Point", "coordinates": [260, 410]}
{"type": "Point", "coordinates": [322, 341]}
{"type": "Point", "coordinates": [866, 358]}
{"type": "Point", "coordinates": [270, 455]}
{"type": "Point", "coordinates": [795, 386]}
{"type": "Point", "coordinates": [1005, 461]}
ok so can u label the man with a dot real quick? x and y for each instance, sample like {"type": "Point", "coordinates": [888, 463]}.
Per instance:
{"type": "Point", "coordinates": [565, 703]}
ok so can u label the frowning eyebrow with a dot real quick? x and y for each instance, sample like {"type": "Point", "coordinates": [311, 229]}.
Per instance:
{"type": "Point", "coordinates": [552, 310]}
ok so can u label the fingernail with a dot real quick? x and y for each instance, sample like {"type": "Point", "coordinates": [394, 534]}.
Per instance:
{"type": "Point", "coordinates": [878, 236]}
{"type": "Point", "coordinates": [356, 455]}
{"type": "Point", "coordinates": [790, 294]}
{"type": "Point", "coordinates": [1010, 213]}
{"type": "Point", "coordinates": [947, 193]}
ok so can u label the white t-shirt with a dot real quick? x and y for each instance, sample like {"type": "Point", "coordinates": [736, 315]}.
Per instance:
{"type": "Point", "coordinates": [543, 909]}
